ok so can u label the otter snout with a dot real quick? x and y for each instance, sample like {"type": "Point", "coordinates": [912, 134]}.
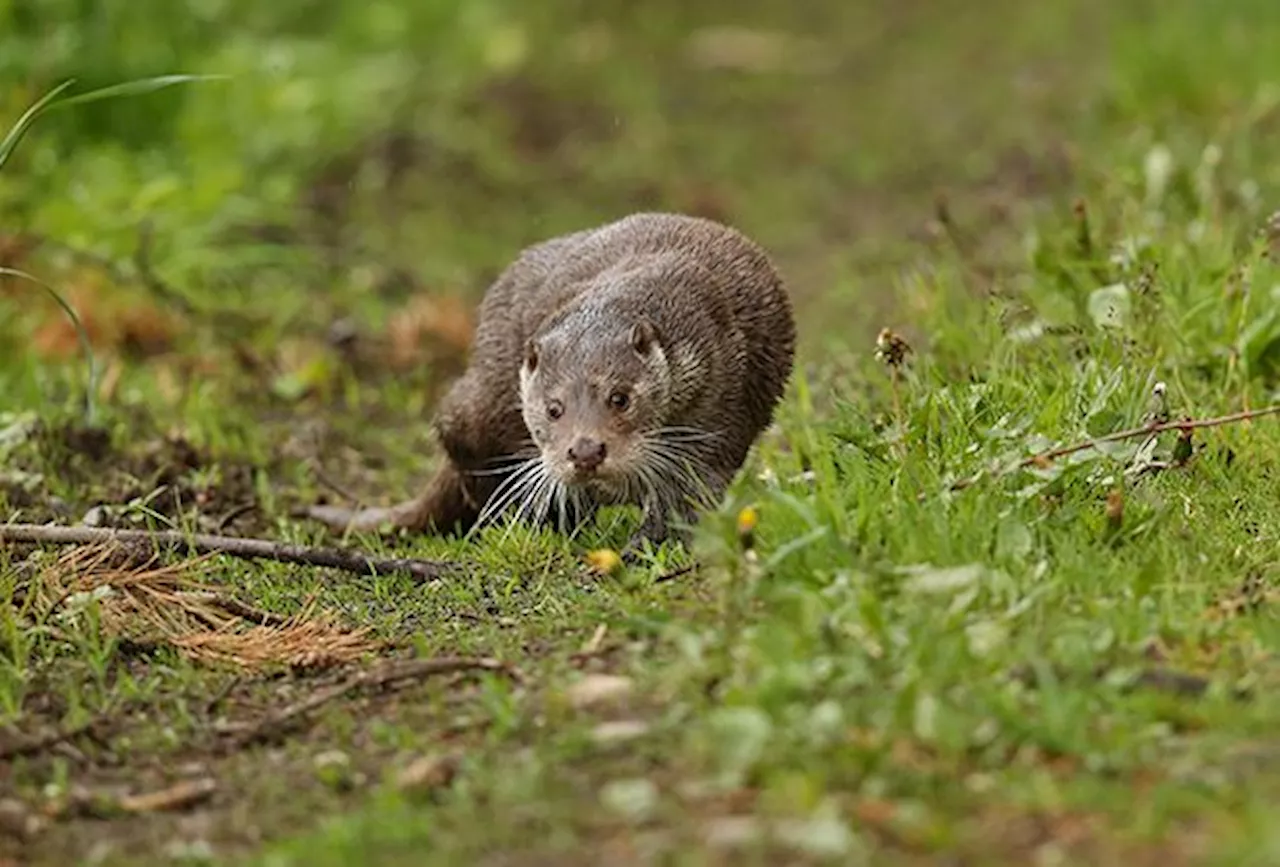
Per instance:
{"type": "Point", "coordinates": [586, 454]}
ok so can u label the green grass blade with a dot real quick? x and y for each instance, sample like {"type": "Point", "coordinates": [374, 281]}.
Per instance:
{"type": "Point", "coordinates": [132, 88]}
{"type": "Point", "coordinates": [53, 100]}
{"type": "Point", "coordinates": [28, 118]}
{"type": "Point", "coordinates": [80, 333]}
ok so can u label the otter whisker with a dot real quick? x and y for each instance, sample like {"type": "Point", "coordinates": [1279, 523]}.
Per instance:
{"type": "Point", "coordinates": [531, 506]}
{"type": "Point", "coordinates": [683, 434]}
{"type": "Point", "coordinates": [511, 490]}
{"type": "Point", "coordinates": [523, 453]}
{"type": "Point", "coordinates": [653, 497]}
{"type": "Point", "coordinates": [691, 443]}
{"type": "Point", "coordinates": [493, 516]}
{"type": "Point", "coordinates": [680, 455]}
{"type": "Point", "coordinates": [554, 495]}
{"type": "Point", "coordinates": [581, 510]}
{"type": "Point", "coordinates": [673, 454]}
{"type": "Point", "coordinates": [497, 471]}
{"type": "Point", "coordinates": [536, 501]}
{"type": "Point", "coordinates": [561, 506]}
{"type": "Point", "coordinates": [507, 489]}
{"type": "Point", "coordinates": [683, 473]}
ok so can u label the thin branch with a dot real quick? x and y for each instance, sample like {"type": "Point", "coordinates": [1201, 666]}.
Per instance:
{"type": "Point", "coordinates": [179, 796]}
{"type": "Point", "coordinates": [248, 549]}
{"type": "Point", "coordinates": [408, 669]}
{"type": "Point", "coordinates": [1186, 424]}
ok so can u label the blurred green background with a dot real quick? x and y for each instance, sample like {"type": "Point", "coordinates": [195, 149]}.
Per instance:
{"type": "Point", "coordinates": [362, 157]}
{"type": "Point", "coordinates": [364, 145]}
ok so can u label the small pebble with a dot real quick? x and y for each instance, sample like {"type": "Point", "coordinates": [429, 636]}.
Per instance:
{"type": "Point", "coordinates": [619, 731]}
{"type": "Point", "coordinates": [599, 690]}
{"type": "Point", "coordinates": [428, 773]}
{"type": "Point", "coordinates": [17, 820]}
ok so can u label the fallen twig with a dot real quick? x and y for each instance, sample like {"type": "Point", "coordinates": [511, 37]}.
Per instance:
{"type": "Point", "coordinates": [249, 549]}
{"type": "Point", "coordinates": [1187, 424]}
{"type": "Point", "coordinates": [407, 669]}
{"type": "Point", "coordinates": [176, 797]}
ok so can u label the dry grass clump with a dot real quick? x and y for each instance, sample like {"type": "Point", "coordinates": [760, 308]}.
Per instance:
{"type": "Point", "coordinates": [132, 597]}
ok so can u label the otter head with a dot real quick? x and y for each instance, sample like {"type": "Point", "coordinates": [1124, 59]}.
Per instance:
{"type": "Point", "coordinates": [590, 392]}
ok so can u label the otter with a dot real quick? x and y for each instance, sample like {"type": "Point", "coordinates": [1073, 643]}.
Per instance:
{"type": "Point", "coordinates": [635, 363]}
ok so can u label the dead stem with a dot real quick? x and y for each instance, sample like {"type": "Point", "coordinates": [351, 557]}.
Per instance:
{"type": "Point", "coordinates": [1187, 424]}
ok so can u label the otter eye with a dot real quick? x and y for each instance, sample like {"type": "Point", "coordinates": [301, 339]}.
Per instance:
{"type": "Point", "coordinates": [555, 409]}
{"type": "Point", "coordinates": [619, 400]}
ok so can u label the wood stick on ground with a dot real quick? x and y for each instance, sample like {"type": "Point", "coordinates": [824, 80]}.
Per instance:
{"type": "Point", "coordinates": [407, 669]}
{"type": "Point", "coordinates": [179, 796]}
{"type": "Point", "coordinates": [1131, 433]}
{"type": "Point", "coordinates": [248, 549]}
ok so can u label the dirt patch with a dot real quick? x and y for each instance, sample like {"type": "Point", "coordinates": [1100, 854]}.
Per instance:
{"type": "Point", "coordinates": [179, 774]}
{"type": "Point", "coordinates": [109, 480]}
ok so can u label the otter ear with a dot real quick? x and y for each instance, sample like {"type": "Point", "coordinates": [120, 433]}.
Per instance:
{"type": "Point", "coordinates": [643, 336]}
{"type": "Point", "coordinates": [531, 355]}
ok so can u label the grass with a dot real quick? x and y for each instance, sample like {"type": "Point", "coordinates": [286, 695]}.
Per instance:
{"type": "Point", "coordinates": [1066, 663]}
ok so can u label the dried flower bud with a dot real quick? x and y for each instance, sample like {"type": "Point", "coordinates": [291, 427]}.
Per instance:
{"type": "Point", "coordinates": [891, 348]}
{"type": "Point", "coordinates": [1115, 509]}
{"type": "Point", "coordinates": [1158, 407]}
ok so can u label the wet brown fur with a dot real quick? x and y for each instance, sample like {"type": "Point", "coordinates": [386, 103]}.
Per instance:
{"type": "Point", "coordinates": [721, 317]}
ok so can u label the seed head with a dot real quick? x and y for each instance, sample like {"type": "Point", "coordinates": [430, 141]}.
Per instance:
{"type": "Point", "coordinates": [892, 349]}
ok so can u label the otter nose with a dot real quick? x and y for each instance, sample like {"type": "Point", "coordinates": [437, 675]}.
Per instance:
{"type": "Point", "coordinates": [586, 454]}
